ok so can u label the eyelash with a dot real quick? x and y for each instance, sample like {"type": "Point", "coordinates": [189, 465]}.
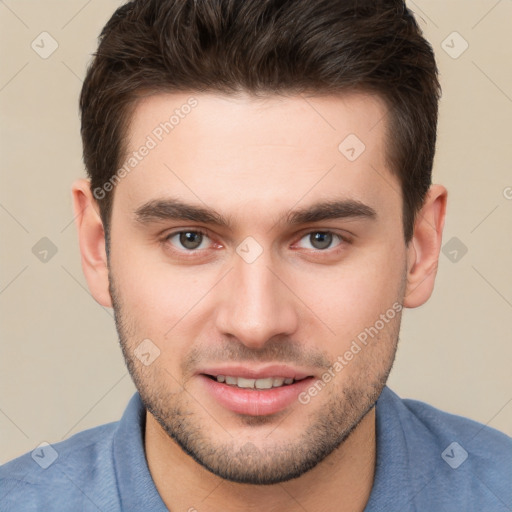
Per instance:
{"type": "Point", "coordinates": [343, 241]}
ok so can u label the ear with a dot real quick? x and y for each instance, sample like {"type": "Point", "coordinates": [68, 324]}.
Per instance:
{"type": "Point", "coordinates": [91, 237]}
{"type": "Point", "coordinates": [423, 250]}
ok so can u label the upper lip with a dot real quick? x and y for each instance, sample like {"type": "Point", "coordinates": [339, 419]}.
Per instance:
{"type": "Point", "coordinates": [264, 372]}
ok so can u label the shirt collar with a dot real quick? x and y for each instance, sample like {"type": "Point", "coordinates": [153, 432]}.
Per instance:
{"type": "Point", "coordinates": [392, 462]}
{"type": "Point", "coordinates": [136, 488]}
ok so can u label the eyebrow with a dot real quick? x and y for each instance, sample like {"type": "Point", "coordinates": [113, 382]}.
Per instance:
{"type": "Point", "coordinates": [158, 210]}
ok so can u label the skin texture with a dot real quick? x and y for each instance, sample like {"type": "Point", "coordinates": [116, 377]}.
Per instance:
{"type": "Point", "coordinates": [298, 303]}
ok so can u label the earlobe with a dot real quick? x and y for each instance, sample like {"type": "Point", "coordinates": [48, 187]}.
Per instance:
{"type": "Point", "coordinates": [91, 238]}
{"type": "Point", "coordinates": [424, 248]}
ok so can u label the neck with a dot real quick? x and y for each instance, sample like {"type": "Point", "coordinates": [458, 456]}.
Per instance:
{"type": "Point", "coordinates": [341, 482]}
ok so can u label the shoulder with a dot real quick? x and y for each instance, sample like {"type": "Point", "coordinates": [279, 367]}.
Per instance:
{"type": "Point", "coordinates": [482, 442]}
{"type": "Point", "coordinates": [461, 461]}
{"type": "Point", "coordinates": [75, 474]}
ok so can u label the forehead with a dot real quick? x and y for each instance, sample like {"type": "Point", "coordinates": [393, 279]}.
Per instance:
{"type": "Point", "coordinates": [257, 154]}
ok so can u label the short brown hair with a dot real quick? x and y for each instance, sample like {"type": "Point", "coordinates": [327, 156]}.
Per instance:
{"type": "Point", "coordinates": [265, 47]}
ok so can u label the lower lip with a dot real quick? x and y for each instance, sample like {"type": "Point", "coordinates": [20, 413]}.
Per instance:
{"type": "Point", "coordinates": [255, 402]}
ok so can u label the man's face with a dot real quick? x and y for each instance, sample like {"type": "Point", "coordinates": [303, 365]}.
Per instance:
{"type": "Point", "coordinates": [259, 296]}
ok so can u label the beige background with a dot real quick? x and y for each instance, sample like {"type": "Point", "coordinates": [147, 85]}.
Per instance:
{"type": "Point", "coordinates": [60, 366]}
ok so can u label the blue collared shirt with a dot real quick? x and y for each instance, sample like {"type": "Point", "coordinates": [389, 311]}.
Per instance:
{"type": "Point", "coordinates": [427, 461]}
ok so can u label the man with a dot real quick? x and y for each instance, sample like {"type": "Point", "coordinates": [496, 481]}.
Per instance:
{"type": "Point", "coordinates": [258, 214]}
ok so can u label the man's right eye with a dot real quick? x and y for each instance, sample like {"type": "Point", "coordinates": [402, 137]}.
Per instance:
{"type": "Point", "coordinates": [189, 239]}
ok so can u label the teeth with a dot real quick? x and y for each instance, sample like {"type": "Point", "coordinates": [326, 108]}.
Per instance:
{"type": "Point", "coordinates": [264, 383]}
{"type": "Point", "coordinates": [246, 383]}
{"type": "Point", "coordinates": [267, 383]}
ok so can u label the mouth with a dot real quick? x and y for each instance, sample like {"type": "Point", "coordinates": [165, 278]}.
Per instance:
{"type": "Point", "coordinates": [247, 383]}
{"type": "Point", "coordinates": [254, 392]}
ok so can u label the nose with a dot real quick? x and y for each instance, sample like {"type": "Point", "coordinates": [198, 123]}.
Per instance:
{"type": "Point", "coordinates": [256, 304]}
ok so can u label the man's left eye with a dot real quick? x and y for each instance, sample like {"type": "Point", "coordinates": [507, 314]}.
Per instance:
{"type": "Point", "coordinates": [322, 240]}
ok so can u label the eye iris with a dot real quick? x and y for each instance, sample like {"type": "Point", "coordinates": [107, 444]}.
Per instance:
{"type": "Point", "coordinates": [190, 239]}
{"type": "Point", "coordinates": [322, 239]}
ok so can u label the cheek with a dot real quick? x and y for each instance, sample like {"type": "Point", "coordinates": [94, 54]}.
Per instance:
{"type": "Point", "coordinates": [352, 296]}
{"type": "Point", "coordinates": [159, 300]}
